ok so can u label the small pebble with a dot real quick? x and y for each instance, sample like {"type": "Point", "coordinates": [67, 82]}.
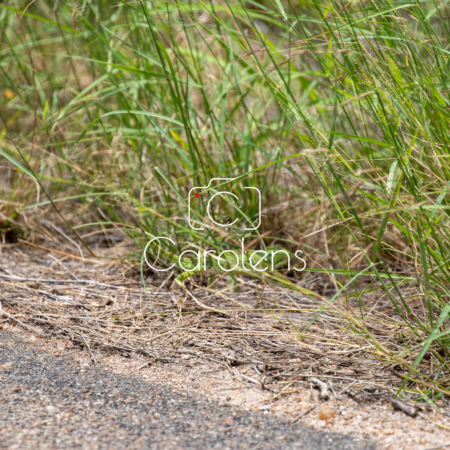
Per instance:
{"type": "Point", "coordinates": [7, 366]}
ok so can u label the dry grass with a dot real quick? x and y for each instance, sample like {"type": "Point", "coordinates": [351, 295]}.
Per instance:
{"type": "Point", "coordinates": [104, 306]}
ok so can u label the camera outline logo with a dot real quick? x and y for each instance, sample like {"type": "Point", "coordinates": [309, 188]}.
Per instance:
{"type": "Point", "coordinates": [197, 195]}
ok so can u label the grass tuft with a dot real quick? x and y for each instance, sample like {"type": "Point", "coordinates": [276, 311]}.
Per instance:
{"type": "Point", "coordinates": [338, 112]}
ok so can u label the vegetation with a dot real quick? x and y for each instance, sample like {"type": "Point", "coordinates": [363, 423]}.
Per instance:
{"type": "Point", "coordinates": [338, 112]}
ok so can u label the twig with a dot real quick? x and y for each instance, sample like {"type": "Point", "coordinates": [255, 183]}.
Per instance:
{"type": "Point", "coordinates": [435, 423]}
{"type": "Point", "coordinates": [324, 394]}
{"type": "Point", "coordinates": [12, 277]}
{"type": "Point", "coordinates": [60, 253]}
{"type": "Point", "coordinates": [330, 385]}
{"type": "Point", "coordinates": [59, 261]}
{"type": "Point", "coordinates": [252, 380]}
{"type": "Point", "coordinates": [303, 414]}
{"type": "Point", "coordinates": [167, 279]}
{"type": "Point", "coordinates": [283, 392]}
{"type": "Point", "coordinates": [21, 323]}
{"type": "Point", "coordinates": [52, 225]}
{"type": "Point", "coordinates": [346, 389]}
{"type": "Point", "coordinates": [143, 365]}
{"type": "Point", "coordinates": [89, 348]}
{"type": "Point", "coordinates": [306, 375]}
{"type": "Point", "coordinates": [400, 406]}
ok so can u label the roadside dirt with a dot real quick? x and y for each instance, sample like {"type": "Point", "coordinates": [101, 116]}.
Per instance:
{"type": "Point", "coordinates": [54, 402]}
{"type": "Point", "coordinates": [360, 406]}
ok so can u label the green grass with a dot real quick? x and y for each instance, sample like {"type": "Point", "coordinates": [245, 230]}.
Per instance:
{"type": "Point", "coordinates": [341, 109]}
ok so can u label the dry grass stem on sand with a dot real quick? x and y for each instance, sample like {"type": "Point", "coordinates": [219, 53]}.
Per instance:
{"type": "Point", "coordinates": [102, 306]}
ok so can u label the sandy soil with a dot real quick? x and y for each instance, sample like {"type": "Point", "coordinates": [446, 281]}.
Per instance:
{"type": "Point", "coordinates": [237, 385]}
{"type": "Point", "coordinates": [52, 402]}
{"type": "Point", "coordinates": [378, 421]}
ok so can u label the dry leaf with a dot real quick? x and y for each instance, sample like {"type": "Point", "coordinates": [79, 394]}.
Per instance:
{"type": "Point", "coordinates": [327, 414]}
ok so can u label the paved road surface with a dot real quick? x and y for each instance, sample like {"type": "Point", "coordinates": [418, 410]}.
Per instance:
{"type": "Point", "coordinates": [51, 402]}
